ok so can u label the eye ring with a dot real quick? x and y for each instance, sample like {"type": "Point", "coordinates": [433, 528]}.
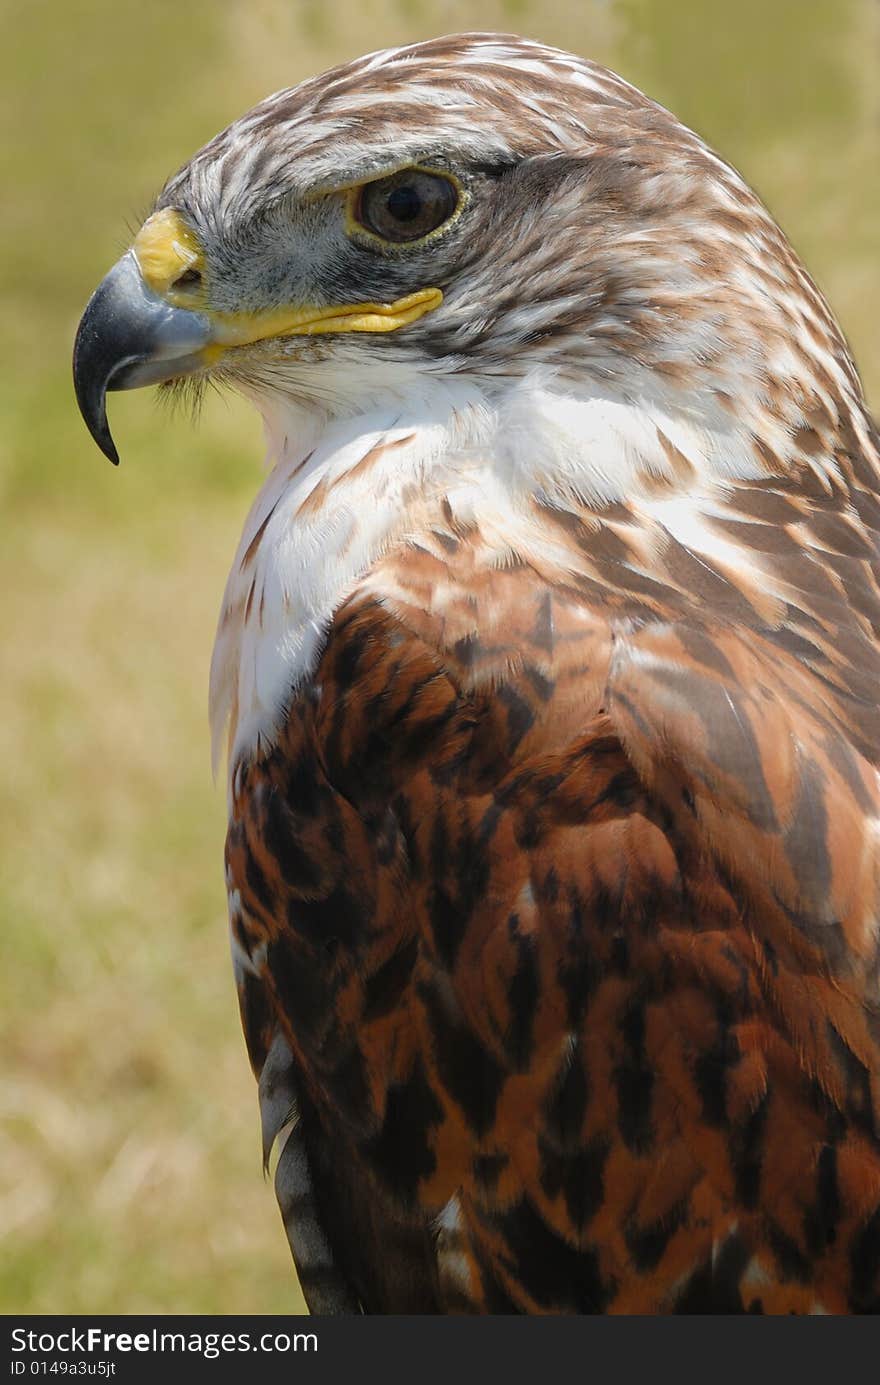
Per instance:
{"type": "Point", "coordinates": [407, 206]}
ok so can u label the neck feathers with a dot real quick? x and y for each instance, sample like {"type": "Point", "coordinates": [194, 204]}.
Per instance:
{"type": "Point", "coordinates": [548, 477]}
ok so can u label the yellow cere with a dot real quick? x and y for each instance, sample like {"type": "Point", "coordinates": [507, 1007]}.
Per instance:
{"type": "Point", "coordinates": [167, 247]}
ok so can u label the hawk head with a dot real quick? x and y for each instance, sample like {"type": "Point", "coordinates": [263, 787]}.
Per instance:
{"type": "Point", "coordinates": [479, 208]}
{"type": "Point", "coordinates": [485, 279]}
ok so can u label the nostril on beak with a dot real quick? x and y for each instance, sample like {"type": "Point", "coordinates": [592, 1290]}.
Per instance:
{"type": "Point", "coordinates": [189, 279]}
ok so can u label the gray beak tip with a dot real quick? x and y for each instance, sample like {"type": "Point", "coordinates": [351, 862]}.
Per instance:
{"type": "Point", "coordinates": [129, 337]}
{"type": "Point", "coordinates": [96, 359]}
{"type": "Point", "coordinates": [91, 396]}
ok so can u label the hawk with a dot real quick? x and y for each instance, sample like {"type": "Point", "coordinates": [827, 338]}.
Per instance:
{"type": "Point", "coordinates": [549, 660]}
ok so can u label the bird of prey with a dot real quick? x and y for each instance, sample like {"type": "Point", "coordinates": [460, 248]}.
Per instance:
{"type": "Point", "coordinates": [550, 660]}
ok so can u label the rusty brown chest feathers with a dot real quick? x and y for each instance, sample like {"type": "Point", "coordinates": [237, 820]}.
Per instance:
{"type": "Point", "coordinates": [576, 994]}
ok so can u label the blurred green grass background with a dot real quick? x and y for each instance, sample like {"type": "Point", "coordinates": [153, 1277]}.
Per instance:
{"type": "Point", "coordinates": [129, 1153]}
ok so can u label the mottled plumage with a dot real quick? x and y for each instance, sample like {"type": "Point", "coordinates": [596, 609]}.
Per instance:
{"type": "Point", "coordinates": [550, 659]}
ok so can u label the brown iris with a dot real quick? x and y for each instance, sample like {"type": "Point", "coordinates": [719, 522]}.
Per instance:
{"type": "Point", "coordinates": [406, 206]}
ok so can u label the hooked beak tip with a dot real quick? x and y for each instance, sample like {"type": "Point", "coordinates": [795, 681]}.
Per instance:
{"type": "Point", "coordinates": [129, 336]}
{"type": "Point", "coordinates": [91, 393]}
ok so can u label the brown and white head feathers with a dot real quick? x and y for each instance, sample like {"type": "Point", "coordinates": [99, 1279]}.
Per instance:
{"type": "Point", "coordinates": [623, 323]}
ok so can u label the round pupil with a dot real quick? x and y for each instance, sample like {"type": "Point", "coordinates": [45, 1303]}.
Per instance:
{"type": "Point", "coordinates": [408, 205]}
{"type": "Point", "coordinates": [405, 203]}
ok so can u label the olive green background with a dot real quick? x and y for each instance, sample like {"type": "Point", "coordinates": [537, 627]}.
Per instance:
{"type": "Point", "coordinates": [129, 1149]}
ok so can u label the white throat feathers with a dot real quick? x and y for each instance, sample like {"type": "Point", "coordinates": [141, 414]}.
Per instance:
{"type": "Point", "coordinates": [342, 491]}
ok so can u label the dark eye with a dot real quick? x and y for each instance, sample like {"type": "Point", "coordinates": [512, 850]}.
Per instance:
{"type": "Point", "coordinates": [406, 206]}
